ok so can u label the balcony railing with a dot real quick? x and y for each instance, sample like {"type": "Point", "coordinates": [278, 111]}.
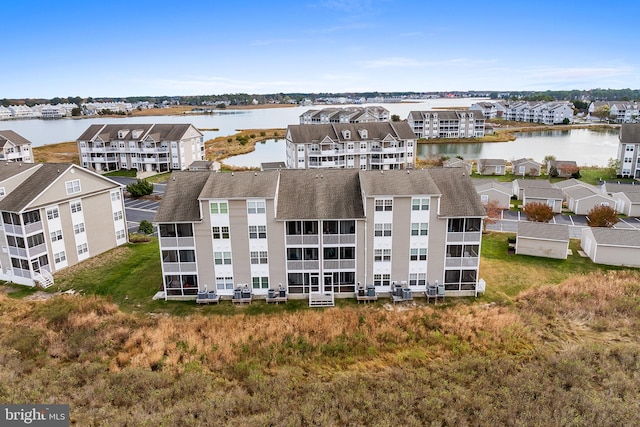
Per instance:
{"type": "Point", "coordinates": [469, 236]}
{"type": "Point", "coordinates": [22, 252]}
{"type": "Point", "coordinates": [303, 265]}
{"type": "Point", "coordinates": [461, 262]}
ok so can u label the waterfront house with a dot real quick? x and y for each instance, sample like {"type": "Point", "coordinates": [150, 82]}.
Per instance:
{"type": "Point", "coordinates": [55, 215]}
{"type": "Point", "coordinates": [626, 196]}
{"type": "Point", "coordinates": [500, 192]}
{"type": "Point", "coordinates": [491, 167]}
{"type": "Point", "coordinates": [380, 145]}
{"type": "Point", "coordinates": [447, 124]}
{"type": "Point", "coordinates": [458, 163]}
{"type": "Point", "coordinates": [581, 199]}
{"type": "Point", "coordinates": [562, 168]}
{"type": "Point", "coordinates": [319, 232]}
{"type": "Point", "coordinates": [145, 147]}
{"type": "Point", "coordinates": [345, 115]}
{"type": "Point", "coordinates": [628, 149]}
{"type": "Point", "coordinates": [14, 147]}
{"type": "Point", "coordinates": [542, 239]}
{"type": "Point", "coordinates": [488, 109]}
{"type": "Point", "coordinates": [612, 246]}
{"type": "Point", "coordinates": [526, 167]}
{"type": "Point", "coordinates": [519, 185]}
{"type": "Point", "coordinates": [552, 197]}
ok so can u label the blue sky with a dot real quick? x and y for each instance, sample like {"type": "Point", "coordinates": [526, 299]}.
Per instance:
{"type": "Point", "coordinates": [144, 48]}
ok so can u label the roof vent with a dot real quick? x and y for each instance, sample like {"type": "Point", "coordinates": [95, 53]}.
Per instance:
{"type": "Point", "coordinates": [255, 174]}
{"type": "Point", "coordinates": [231, 173]}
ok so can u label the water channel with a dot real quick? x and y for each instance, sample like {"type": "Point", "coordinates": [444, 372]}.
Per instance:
{"type": "Point", "coordinates": [585, 146]}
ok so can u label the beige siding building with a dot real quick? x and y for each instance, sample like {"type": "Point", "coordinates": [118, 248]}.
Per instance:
{"type": "Point", "coordinates": [15, 148]}
{"type": "Point", "coordinates": [366, 146]}
{"type": "Point", "coordinates": [54, 216]}
{"type": "Point", "coordinates": [319, 231]}
{"type": "Point", "coordinates": [612, 246]}
{"type": "Point", "coordinates": [145, 147]}
{"type": "Point", "coordinates": [542, 240]}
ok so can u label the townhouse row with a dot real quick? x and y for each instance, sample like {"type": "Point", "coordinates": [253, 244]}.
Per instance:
{"type": "Point", "coordinates": [325, 231]}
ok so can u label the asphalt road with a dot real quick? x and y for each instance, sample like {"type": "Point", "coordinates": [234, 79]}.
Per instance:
{"type": "Point", "coordinates": [138, 209]}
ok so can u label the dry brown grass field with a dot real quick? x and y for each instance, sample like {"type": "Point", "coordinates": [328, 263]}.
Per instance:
{"type": "Point", "coordinates": [566, 354]}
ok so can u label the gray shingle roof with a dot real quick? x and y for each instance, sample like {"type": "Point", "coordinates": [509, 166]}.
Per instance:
{"type": "Point", "coordinates": [159, 132]}
{"type": "Point", "coordinates": [541, 230]}
{"type": "Point", "coordinates": [9, 135]}
{"type": "Point", "coordinates": [180, 202]}
{"type": "Point", "coordinates": [533, 183]}
{"type": "Point", "coordinates": [616, 236]}
{"type": "Point", "coordinates": [400, 182]}
{"type": "Point", "coordinates": [301, 134]}
{"type": "Point", "coordinates": [622, 188]}
{"type": "Point", "coordinates": [630, 133]}
{"type": "Point", "coordinates": [491, 162]}
{"type": "Point", "coordinates": [572, 182]}
{"type": "Point", "coordinates": [35, 184]}
{"type": "Point", "coordinates": [459, 196]}
{"type": "Point", "coordinates": [580, 192]}
{"type": "Point", "coordinates": [319, 194]}
{"type": "Point", "coordinates": [493, 185]}
{"type": "Point", "coordinates": [9, 169]}
{"type": "Point", "coordinates": [543, 193]}
{"type": "Point", "coordinates": [237, 185]}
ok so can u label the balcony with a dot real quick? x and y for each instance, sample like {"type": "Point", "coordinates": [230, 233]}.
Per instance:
{"type": "Point", "coordinates": [469, 236]}
{"type": "Point", "coordinates": [310, 239]}
{"type": "Point", "coordinates": [177, 267]}
{"type": "Point", "coordinates": [21, 252]}
{"type": "Point", "coordinates": [462, 261]}
{"type": "Point", "coordinates": [303, 265]}
{"type": "Point", "coordinates": [177, 242]}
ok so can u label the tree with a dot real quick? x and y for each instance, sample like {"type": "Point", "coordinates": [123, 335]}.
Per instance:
{"type": "Point", "coordinates": [140, 188]}
{"type": "Point", "coordinates": [145, 227]}
{"type": "Point", "coordinates": [602, 216]}
{"type": "Point", "coordinates": [76, 111]}
{"type": "Point", "coordinates": [613, 167]}
{"type": "Point", "coordinates": [602, 112]}
{"type": "Point", "coordinates": [395, 118]}
{"type": "Point", "coordinates": [538, 212]}
{"type": "Point", "coordinates": [494, 212]}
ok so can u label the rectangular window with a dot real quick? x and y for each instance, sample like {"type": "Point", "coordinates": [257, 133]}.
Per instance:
{"type": "Point", "coordinates": [75, 206]}
{"type": "Point", "coordinates": [420, 204]}
{"type": "Point", "coordinates": [59, 257]}
{"type": "Point", "coordinates": [256, 206]}
{"type": "Point", "coordinates": [382, 230]}
{"type": "Point", "coordinates": [382, 279]}
{"type": "Point", "coordinates": [417, 279]}
{"type": "Point", "coordinates": [382, 255]}
{"type": "Point", "coordinates": [384, 205]}
{"type": "Point", "coordinates": [117, 215]}
{"type": "Point", "coordinates": [52, 213]}
{"type": "Point", "coordinates": [115, 196]}
{"type": "Point", "coordinates": [83, 248]}
{"type": "Point", "coordinates": [220, 258]}
{"type": "Point", "coordinates": [72, 187]}
{"type": "Point", "coordinates": [120, 234]}
{"type": "Point", "coordinates": [219, 207]}
{"type": "Point", "coordinates": [56, 235]}
{"type": "Point", "coordinates": [418, 254]}
{"type": "Point", "coordinates": [419, 228]}
{"type": "Point", "coordinates": [257, 231]}
{"type": "Point", "coordinates": [35, 240]}
{"type": "Point", "coordinates": [78, 228]}
{"type": "Point", "coordinates": [259, 257]}
{"type": "Point", "coordinates": [224, 283]}
{"type": "Point", "coordinates": [220, 232]}
{"type": "Point", "coordinates": [260, 282]}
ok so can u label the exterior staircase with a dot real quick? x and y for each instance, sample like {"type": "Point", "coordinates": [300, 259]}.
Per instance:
{"type": "Point", "coordinates": [325, 299]}
{"type": "Point", "coordinates": [44, 278]}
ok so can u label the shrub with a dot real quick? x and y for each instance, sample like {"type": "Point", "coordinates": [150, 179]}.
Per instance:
{"type": "Point", "coordinates": [139, 238]}
{"type": "Point", "coordinates": [140, 188]}
{"type": "Point", "coordinates": [538, 212]}
{"type": "Point", "coordinates": [145, 227]}
{"type": "Point", "coordinates": [263, 133]}
{"type": "Point", "coordinates": [602, 216]}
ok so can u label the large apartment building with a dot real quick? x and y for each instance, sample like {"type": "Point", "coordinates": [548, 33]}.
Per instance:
{"type": "Point", "coordinates": [319, 231]}
{"type": "Point", "coordinates": [629, 149]}
{"type": "Point", "coordinates": [145, 147]}
{"type": "Point", "coordinates": [381, 145]}
{"type": "Point", "coordinates": [447, 124]}
{"type": "Point", "coordinates": [14, 147]}
{"type": "Point", "coordinates": [345, 115]}
{"type": "Point", "coordinates": [548, 113]}
{"type": "Point", "coordinates": [53, 216]}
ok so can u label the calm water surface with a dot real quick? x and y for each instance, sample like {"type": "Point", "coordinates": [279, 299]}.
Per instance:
{"type": "Point", "coordinates": [584, 146]}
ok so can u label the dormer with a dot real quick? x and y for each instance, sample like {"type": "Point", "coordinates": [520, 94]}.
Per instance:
{"type": "Point", "coordinates": [122, 133]}
{"type": "Point", "coordinates": [346, 134]}
{"type": "Point", "coordinates": [363, 134]}
{"type": "Point", "coordinates": [136, 133]}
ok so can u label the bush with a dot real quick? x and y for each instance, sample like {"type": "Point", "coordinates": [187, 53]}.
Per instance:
{"type": "Point", "coordinates": [140, 188]}
{"type": "Point", "coordinates": [602, 216]}
{"type": "Point", "coordinates": [145, 227]}
{"type": "Point", "coordinates": [538, 212]}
